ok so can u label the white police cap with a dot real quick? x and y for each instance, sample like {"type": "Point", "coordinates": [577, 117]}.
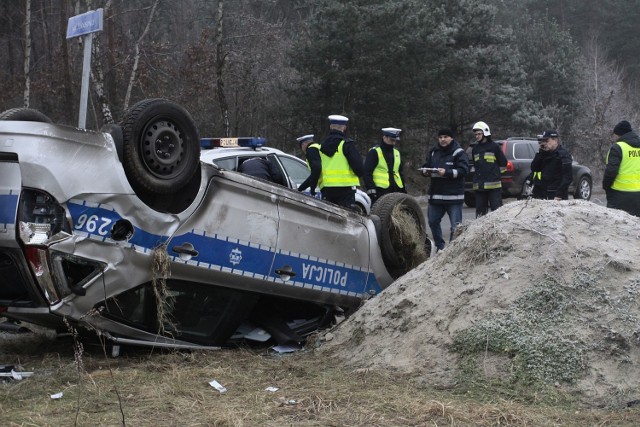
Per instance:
{"type": "Point", "coordinates": [392, 133]}
{"type": "Point", "coordinates": [336, 119]}
{"type": "Point", "coordinates": [304, 138]}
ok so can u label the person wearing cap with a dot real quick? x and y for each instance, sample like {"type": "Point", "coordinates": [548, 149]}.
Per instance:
{"type": "Point", "coordinates": [261, 167]}
{"type": "Point", "coordinates": [341, 165]}
{"type": "Point", "coordinates": [551, 172]}
{"type": "Point", "coordinates": [383, 166]}
{"type": "Point", "coordinates": [621, 180]}
{"type": "Point", "coordinates": [490, 163]}
{"type": "Point", "coordinates": [311, 151]}
{"type": "Point", "coordinates": [447, 164]}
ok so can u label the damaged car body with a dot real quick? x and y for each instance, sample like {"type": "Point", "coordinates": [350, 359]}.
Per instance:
{"type": "Point", "coordinates": [127, 233]}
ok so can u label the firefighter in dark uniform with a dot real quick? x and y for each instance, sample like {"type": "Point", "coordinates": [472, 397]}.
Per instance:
{"type": "Point", "coordinates": [489, 163]}
{"type": "Point", "coordinates": [383, 166]}
{"type": "Point", "coordinates": [621, 179]}
{"type": "Point", "coordinates": [551, 172]}
{"type": "Point", "coordinates": [311, 151]}
{"type": "Point", "coordinates": [261, 167]}
{"type": "Point", "coordinates": [341, 165]}
{"type": "Point", "coordinates": [448, 165]}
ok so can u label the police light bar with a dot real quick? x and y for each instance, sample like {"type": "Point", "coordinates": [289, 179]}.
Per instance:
{"type": "Point", "coordinates": [252, 142]}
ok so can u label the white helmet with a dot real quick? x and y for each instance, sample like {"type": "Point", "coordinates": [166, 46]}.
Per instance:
{"type": "Point", "coordinates": [483, 127]}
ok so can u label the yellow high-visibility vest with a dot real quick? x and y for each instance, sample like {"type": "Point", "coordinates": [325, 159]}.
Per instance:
{"type": "Point", "coordinates": [336, 171]}
{"type": "Point", "coordinates": [381, 172]}
{"type": "Point", "coordinates": [628, 178]}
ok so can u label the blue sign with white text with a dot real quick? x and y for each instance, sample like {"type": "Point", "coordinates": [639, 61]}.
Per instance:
{"type": "Point", "coordinates": [86, 23]}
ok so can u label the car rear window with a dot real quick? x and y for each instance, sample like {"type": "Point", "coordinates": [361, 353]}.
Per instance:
{"type": "Point", "coordinates": [521, 150]}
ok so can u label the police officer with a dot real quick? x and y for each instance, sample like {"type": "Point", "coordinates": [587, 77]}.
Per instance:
{"type": "Point", "coordinates": [261, 167]}
{"type": "Point", "coordinates": [621, 179]}
{"type": "Point", "coordinates": [311, 151]}
{"type": "Point", "coordinates": [447, 165]}
{"type": "Point", "coordinates": [551, 168]}
{"type": "Point", "coordinates": [489, 162]}
{"type": "Point", "coordinates": [383, 166]}
{"type": "Point", "coordinates": [341, 165]}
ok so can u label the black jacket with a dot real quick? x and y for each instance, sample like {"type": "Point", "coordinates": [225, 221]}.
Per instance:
{"type": "Point", "coordinates": [551, 173]}
{"type": "Point", "coordinates": [349, 149]}
{"type": "Point", "coordinates": [488, 160]}
{"type": "Point", "coordinates": [315, 165]}
{"type": "Point", "coordinates": [449, 188]}
{"type": "Point", "coordinates": [262, 168]}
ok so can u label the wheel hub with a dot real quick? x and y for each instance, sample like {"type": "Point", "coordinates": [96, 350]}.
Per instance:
{"type": "Point", "coordinates": [163, 149]}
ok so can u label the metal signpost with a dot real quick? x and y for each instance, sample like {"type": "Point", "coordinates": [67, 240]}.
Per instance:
{"type": "Point", "coordinates": [85, 25]}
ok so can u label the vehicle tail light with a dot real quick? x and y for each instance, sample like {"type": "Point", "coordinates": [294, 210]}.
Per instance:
{"type": "Point", "coordinates": [37, 259]}
{"type": "Point", "coordinates": [42, 219]}
{"type": "Point", "coordinates": [510, 167]}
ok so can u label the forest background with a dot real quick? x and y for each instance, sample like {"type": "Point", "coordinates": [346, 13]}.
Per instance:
{"type": "Point", "coordinates": [277, 68]}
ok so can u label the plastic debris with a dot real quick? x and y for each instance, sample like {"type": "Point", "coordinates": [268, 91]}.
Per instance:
{"type": "Point", "coordinates": [215, 384]}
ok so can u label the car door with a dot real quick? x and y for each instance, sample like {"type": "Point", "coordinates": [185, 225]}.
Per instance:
{"type": "Point", "coordinates": [324, 249]}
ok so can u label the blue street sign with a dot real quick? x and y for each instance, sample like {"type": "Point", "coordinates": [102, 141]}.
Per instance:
{"type": "Point", "coordinates": [89, 22]}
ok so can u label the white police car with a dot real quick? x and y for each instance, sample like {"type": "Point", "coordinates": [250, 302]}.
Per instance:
{"type": "Point", "coordinates": [229, 153]}
{"type": "Point", "coordinates": [125, 232]}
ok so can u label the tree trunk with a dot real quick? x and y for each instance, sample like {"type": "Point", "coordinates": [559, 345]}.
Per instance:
{"type": "Point", "coordinates": [220, 62]}
{"type": "Point", "coordinates": [136, 59]}
{"type": "Point", "coordinates": [27, 54]}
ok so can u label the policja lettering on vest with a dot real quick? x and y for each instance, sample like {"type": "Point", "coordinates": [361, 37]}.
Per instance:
{"type": "Point", "coordinates": [621, 180]}
{"type": "Point", "coordinates": [383, 172]}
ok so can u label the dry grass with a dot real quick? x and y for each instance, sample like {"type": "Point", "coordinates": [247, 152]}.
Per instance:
{"type": "Point", "coordinates": [171, 389]}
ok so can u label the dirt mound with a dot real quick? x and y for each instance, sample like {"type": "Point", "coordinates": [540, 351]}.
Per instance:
{"type": "Point", "coordinates": [536, 291]}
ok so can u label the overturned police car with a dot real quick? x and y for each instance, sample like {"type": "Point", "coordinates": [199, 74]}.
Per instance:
{"type": "Point", "coordinates": [126, 233]}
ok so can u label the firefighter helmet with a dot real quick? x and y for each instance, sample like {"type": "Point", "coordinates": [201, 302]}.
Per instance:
{"type": "Point", "coordinates": [483, 127]}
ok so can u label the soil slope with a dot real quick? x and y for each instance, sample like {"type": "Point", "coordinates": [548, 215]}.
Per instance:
{"type": "Point", "coordinates": [537, 290]}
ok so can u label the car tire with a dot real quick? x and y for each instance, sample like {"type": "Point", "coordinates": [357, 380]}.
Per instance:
{"type": "Point", "coordinates": [25, 115]}
{"type": "Point", "coordinates": [583, 188]}
{"type": "Point", "coordinates": [470, 199]}
{"type": "Point", "coordinates": [161, 147]}
{"type": "Point", "coordinates": [383, 208]}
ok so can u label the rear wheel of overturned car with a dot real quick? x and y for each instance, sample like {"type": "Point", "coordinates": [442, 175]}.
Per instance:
{"type": "Point", "coordinates": [401, 234]}
{"type": "Point", "coordinates": [161, 154]}
{"type": "Point", "coordinates": [583, 189]}
{"type": "Point", "coordinates": [25, 115]}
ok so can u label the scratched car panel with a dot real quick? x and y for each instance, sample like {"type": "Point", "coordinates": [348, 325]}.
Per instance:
{"type": "Point", "coordinates": [84, 237]}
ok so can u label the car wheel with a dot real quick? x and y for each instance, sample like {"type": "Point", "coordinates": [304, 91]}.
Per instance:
{"type": "Point", "coordinates": [583, 189]}
{"type": "Point", "coordinates": [161, 149]}
{"type": "Point", "coordinates": [470, 199]}
{"type": "Point", "coordinates": [25, 115]}
{"type": "Point", "coordinates": [400, 254]}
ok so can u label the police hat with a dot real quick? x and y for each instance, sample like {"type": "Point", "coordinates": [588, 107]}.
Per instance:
{"type": "Point", "coordinates": [393, 133]}
{"type": "Point", "coordinates": [304, 138]}
{"type": "Point", "coordinates": [336, 119]}
{"type": "Point", "coordinates": [549, 133]}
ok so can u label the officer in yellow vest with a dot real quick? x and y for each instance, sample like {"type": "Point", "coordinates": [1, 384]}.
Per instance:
{"type": "Point", "coordinates": [341, 165]}
{"type": "Point", "coordinates": [383, 166]}
{"type": "Point", "coordinates": [621, 179]}
{"type": "Point", "coordinates": [311, 151]}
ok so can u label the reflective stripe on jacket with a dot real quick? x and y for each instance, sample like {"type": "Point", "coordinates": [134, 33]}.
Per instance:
{"type": "Point", "coordinates": [381, 172]}
{"type": "Point", "coordinates": [336, 171]}
{"type": "Point", "coordinates": [628, 178]}
{"type": "Point", "coordinates": [489, 163]}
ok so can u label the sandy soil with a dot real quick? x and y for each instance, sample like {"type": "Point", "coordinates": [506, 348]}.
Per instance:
{"type": "Point", "coordinates": [538, 290]}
